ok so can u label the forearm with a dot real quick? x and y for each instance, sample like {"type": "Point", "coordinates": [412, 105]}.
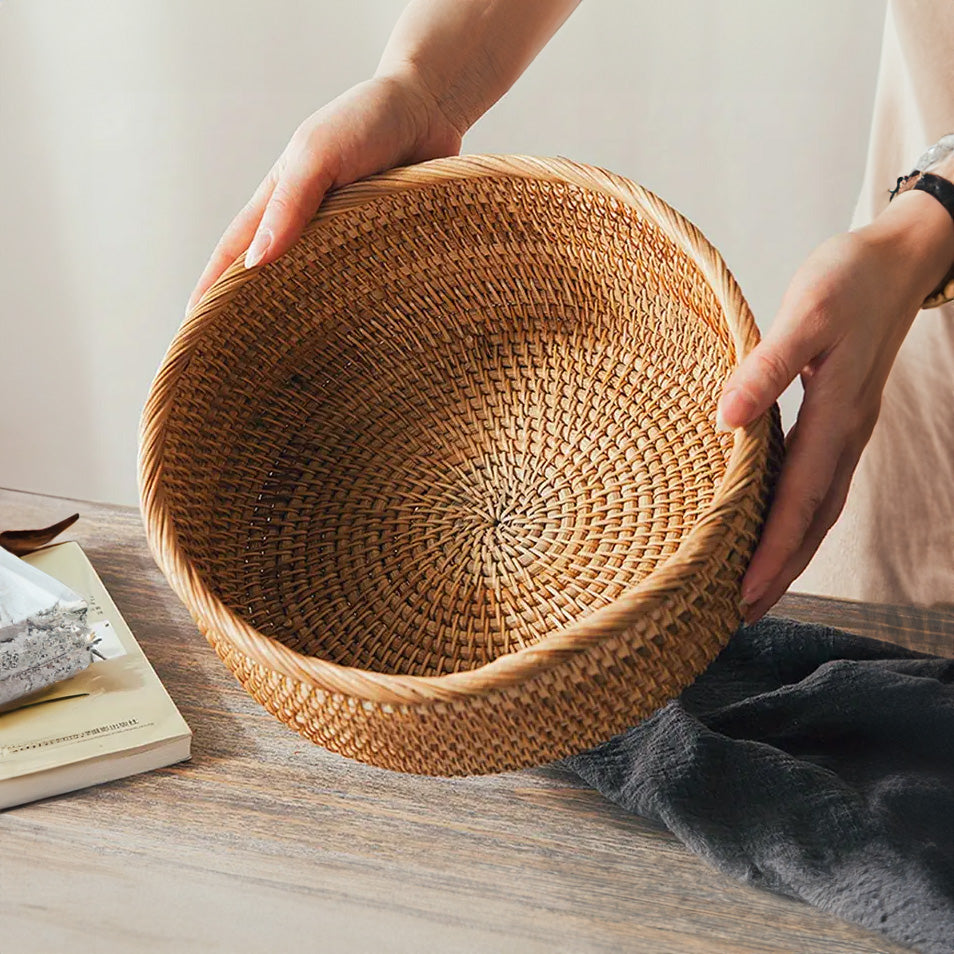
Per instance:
{"type": "Point", "coordinates": [465, 54]}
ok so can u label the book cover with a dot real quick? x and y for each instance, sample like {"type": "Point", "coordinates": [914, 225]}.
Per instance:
{"type": "Point", "coordinates": [112, 720]}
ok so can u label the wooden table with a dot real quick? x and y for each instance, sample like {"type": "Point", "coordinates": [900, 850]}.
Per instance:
{"type": "Point", "coordinates": [265, 842]}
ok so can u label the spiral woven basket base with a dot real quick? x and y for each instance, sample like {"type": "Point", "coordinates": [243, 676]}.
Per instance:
{"type": "Point", "coordinates": [429, 482]}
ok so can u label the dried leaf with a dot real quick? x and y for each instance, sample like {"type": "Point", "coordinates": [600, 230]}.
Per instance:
{"type": "Point", "coordinates": [19, 542]}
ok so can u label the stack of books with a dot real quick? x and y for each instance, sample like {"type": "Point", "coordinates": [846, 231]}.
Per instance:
{"type": "Point", "coordinates": [111, 720]}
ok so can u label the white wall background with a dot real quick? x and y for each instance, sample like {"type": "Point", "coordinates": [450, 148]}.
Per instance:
{"type": "Point", "coordinates": [132, 130]}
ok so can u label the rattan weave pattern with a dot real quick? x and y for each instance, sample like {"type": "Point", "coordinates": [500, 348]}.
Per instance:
{"type": "Point", "coordinates": [441, 485]}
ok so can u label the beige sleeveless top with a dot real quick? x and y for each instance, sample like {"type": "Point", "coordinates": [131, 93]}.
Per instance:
{"type": "Point", "coordinates": [894, 541]}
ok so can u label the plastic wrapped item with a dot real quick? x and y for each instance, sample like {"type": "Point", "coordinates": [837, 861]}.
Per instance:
{"type": "Point", "coordinates": [44, 635]}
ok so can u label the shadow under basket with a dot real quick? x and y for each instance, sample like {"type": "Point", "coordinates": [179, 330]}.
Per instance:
{"type": "Point", "coordinates": [441, 486]}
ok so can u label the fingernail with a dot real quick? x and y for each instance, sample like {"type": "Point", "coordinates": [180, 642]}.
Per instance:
{"type": "Point", "coordinates": [734, 404]}
{"type": "Point", "coordinates": [751, 616]}
{"type": "Point", "coordinates": [720, 424]}
{"type": "Point", "coordinates": [258, 248]}
{"type": "Point", "coordinates": [751, 592]}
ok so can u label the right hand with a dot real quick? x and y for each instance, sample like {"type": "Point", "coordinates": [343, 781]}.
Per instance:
{"type": "Point", "coordinates": [840, 326]}
{"type": "Point", "coordinates": [384, 122]}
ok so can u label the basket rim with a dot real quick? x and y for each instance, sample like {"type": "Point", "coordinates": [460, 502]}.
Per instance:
{"type": "Point", "coordinates": [655, 594]}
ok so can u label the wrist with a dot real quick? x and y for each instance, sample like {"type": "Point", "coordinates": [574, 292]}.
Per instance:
{"type": "Point", "coordinates": [916, 233]}
{"type": "Point", "coordinates": [435, 133]}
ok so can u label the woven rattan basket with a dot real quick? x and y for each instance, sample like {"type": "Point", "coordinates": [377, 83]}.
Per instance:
{"type": "Point", "coordinates": [441, 486]}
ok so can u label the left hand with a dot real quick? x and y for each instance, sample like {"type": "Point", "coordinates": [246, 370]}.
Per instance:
{"type": "Point", "coordinates": [840, 326]}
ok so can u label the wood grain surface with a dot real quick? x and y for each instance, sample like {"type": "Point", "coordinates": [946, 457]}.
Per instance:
{"type": "Point", "coordinates": [265, 842]}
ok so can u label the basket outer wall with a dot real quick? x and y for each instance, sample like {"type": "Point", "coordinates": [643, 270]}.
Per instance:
{"type": "Point", "coordinates": [562, 696]}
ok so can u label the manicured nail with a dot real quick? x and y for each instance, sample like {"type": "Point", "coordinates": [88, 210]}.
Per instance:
{"type": "Point", "coordinates": [735, 404]}
{"type": "Point", "coordinates": [258, 248]}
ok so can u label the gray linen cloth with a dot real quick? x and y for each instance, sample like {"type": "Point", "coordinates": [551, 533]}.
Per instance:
{"type": "Point", "coordinates": [811, 762]}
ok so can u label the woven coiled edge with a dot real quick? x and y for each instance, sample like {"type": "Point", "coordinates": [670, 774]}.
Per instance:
{"type": "Point", "coordinates": [665, 585]}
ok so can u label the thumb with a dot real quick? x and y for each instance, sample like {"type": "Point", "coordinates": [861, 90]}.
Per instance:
{"type": "Point", "coordinates": [767, 370]}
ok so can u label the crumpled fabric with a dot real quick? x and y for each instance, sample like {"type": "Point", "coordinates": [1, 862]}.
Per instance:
{"type": "Point", "coordinates": [810, 762]}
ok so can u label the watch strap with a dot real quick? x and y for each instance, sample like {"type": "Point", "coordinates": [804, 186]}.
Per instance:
{"type": "Point", "coordinates": [943, 191]}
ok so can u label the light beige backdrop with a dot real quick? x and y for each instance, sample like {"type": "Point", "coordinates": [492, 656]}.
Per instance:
{"type": "Point", "coordinates": [132, 130]}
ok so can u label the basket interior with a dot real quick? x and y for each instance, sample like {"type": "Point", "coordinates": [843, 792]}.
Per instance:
{"type": "Point", "coordinates": [448, 423]}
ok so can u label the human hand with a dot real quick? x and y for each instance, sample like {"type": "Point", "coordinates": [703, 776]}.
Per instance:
{"type": "Point", "coordinates": [840, 325]}
{"type": "Point", "coordinates": [445, 64]}
{"type": "Point", "coordinates": [384, 122]}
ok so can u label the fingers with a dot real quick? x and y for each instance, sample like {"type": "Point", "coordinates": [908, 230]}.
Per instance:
{"type": "Point", "coordinates": [822, 452]}
{"type": "Point", "coordinates": [824, 518]}
{"type": "Point", "coordinates": [762, 376]}
{"type": "Point", "coordinates": [816, 448]}
{"type": "Point", "coordinates": [307, 172]}
{"type": "Point", "coordinates": [235, 240]}
{"type": "Point", "coordinates": [800, 333]}
{"type": "Point", "coordinates": [275, 216]}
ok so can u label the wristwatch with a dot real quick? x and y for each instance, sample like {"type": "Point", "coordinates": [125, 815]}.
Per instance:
{"type": "Point", "coordinates": [942, 190]}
